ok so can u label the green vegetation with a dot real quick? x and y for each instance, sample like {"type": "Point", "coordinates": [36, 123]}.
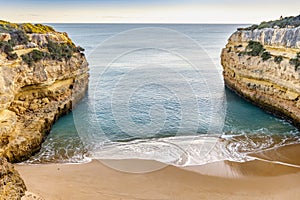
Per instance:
{"type": "Point", "coordinates": [278, 59]}
{"type": "Point", "coordinates": [61, 51]}
{"type": "Point", "coordinates": [56, 51]}
{"type": "Point", "coordinates": [18, 37]}
{"type": "Point", "coordinates": [35, 28]}
{"type": "Point", "coordinates": [256, 49]}
{"type": "Point", "coordinates": [18, 31]}
{"type": "Point", "coordinates": [266, 55]}
{"type": "Point", "coordinates": [7, 27]}
{"type": "Point", "coordinates": [281, 23]}
{"type": "Point", "coordinates": [18, 34]}
{"type": "Point", "coordinates": [79, 49]}
{"type": "Point", "coordinates": [296, 61]}
{"type": "Point", "coordinates": [33, 56]}
{"type": "Point", "coordinates": [7, 48]}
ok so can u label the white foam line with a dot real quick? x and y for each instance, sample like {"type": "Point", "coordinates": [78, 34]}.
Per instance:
{"type": "Point", "coordinates": [275, 162]}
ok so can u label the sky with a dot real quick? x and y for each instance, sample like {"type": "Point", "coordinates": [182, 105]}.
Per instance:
{"type": "Point", "coordinates": [146, 11]}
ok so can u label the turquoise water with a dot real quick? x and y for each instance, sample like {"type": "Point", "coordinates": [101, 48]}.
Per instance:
{"type": "Point", "coordinates": [164, 118]}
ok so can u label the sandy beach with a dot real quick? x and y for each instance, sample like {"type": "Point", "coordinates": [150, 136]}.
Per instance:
{"type": "Point", "coordinates": [255, 179]}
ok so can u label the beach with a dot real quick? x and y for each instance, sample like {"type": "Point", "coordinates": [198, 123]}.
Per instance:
{"type": "Point", "coordinates": [256, 179]}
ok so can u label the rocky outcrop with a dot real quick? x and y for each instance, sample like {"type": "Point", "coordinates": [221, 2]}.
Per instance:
{"type": "Point", "coordinates": [278, 38]}
{"type": "Point", "coordinates": [36, 89]}
{"type": "Point", "coordinates": [11, 184]}
{"type": "Point", "coordinates": [273, 82]}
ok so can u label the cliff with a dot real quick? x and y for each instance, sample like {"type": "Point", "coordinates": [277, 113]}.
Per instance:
{"type": "Point", "coordinates": [263, 66]}
{"type": "Point", "coordinates": [42, 75]}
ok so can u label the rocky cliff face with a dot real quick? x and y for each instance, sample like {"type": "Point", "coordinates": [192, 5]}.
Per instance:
{"type": "Point", "coordinates": [42, 74]}
{"type": "Point", "coordinates": [269, 77]}
{"type": "Point", "coordinates": [11, 184]}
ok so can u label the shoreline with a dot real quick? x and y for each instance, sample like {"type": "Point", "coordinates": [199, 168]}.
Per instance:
{"type": "Point", "coordinates": [225, 179]}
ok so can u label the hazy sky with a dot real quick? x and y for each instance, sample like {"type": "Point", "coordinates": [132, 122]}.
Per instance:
{"type": "Point", "coordinates": [147, 11]}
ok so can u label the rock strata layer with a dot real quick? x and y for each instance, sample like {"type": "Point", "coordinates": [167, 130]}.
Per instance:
{"type": "Point", "coordinates": [273, 83]}
{"type": "Point", "coordinates": [42, 76]}
{"type": "Point", "coordinates": [35, 93]}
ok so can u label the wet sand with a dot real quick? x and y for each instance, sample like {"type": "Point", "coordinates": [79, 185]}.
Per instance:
{"type": "Point", "coordinates": [221, 180]}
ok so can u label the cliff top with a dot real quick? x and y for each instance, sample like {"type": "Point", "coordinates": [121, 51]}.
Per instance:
{"type": "Point", "coordinates": [31, 43]}
{"type": "Point", "coordinates": [7, 27]}
{"type": "Point", "coordinates": [287, 22]}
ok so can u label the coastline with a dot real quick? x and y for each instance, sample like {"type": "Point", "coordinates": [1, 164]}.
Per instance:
{"type": "Point", "coordinates": [227, 180]}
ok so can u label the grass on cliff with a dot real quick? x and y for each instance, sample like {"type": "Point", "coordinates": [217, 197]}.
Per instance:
{"type": "Point", "coordinates": [280, 23]}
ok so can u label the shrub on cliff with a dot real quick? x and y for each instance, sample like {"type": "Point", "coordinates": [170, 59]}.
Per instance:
{"type": "Point", "coordinates": [266, 55]}
{"type": "Point", "coordinates": [18, 37]}
{"type": "Point", "coordinates": [254, 48]}
{"type": "Point", "coordinates": [296, 61]}
{"type": "Point", "coordinates": [36, 28]}
{"type": "Point", "coordinates": [25, 27]}
{"type": "Point", "coordinates": [280, 23]}
{"type": "Point", "coordinates": [34, 56]}
{"type": "Point", "coordinates": [278, 59]}
{"type": "Point", "coordinates": [12, 56]}
{"type": "Point", "coordinates": [59, 51]}
{"type": "Point", "coordinates": [7, 26]}
{"type": "Point", "coordinates": [79, 49]}
{"type": "Point", "coordinates": [7, 48]}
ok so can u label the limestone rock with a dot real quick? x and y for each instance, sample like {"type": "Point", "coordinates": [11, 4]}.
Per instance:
{"type": "Point", "coordinates": [271, 85]}
{"type": "Point", "coordinates": [33, 97]}
{"type": "Point", "coordinates": [11, 184]}
{"type": "Point", "coordinates": [5, 37]}
{"type": "Point", "coordinates": [281, 37]}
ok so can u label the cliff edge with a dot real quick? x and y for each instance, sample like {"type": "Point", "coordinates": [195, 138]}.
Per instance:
{"type": "Point", "coordinates": [262, 64]}
{"type": "Point", "coordinates": [42, 74]}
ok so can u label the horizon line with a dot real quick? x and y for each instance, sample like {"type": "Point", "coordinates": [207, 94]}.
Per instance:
{"type": "Point", "coordinates": [175, 23]}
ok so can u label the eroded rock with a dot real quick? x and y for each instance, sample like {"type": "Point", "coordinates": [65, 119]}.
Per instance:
{"type": "Point", "coordinates": [12, 186]}
{"type": "Point", "coordinates": [274, 86]}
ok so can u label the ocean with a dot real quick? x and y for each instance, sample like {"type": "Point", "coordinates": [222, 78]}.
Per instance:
{"type": "Point", "coordinates": [156, 92]}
